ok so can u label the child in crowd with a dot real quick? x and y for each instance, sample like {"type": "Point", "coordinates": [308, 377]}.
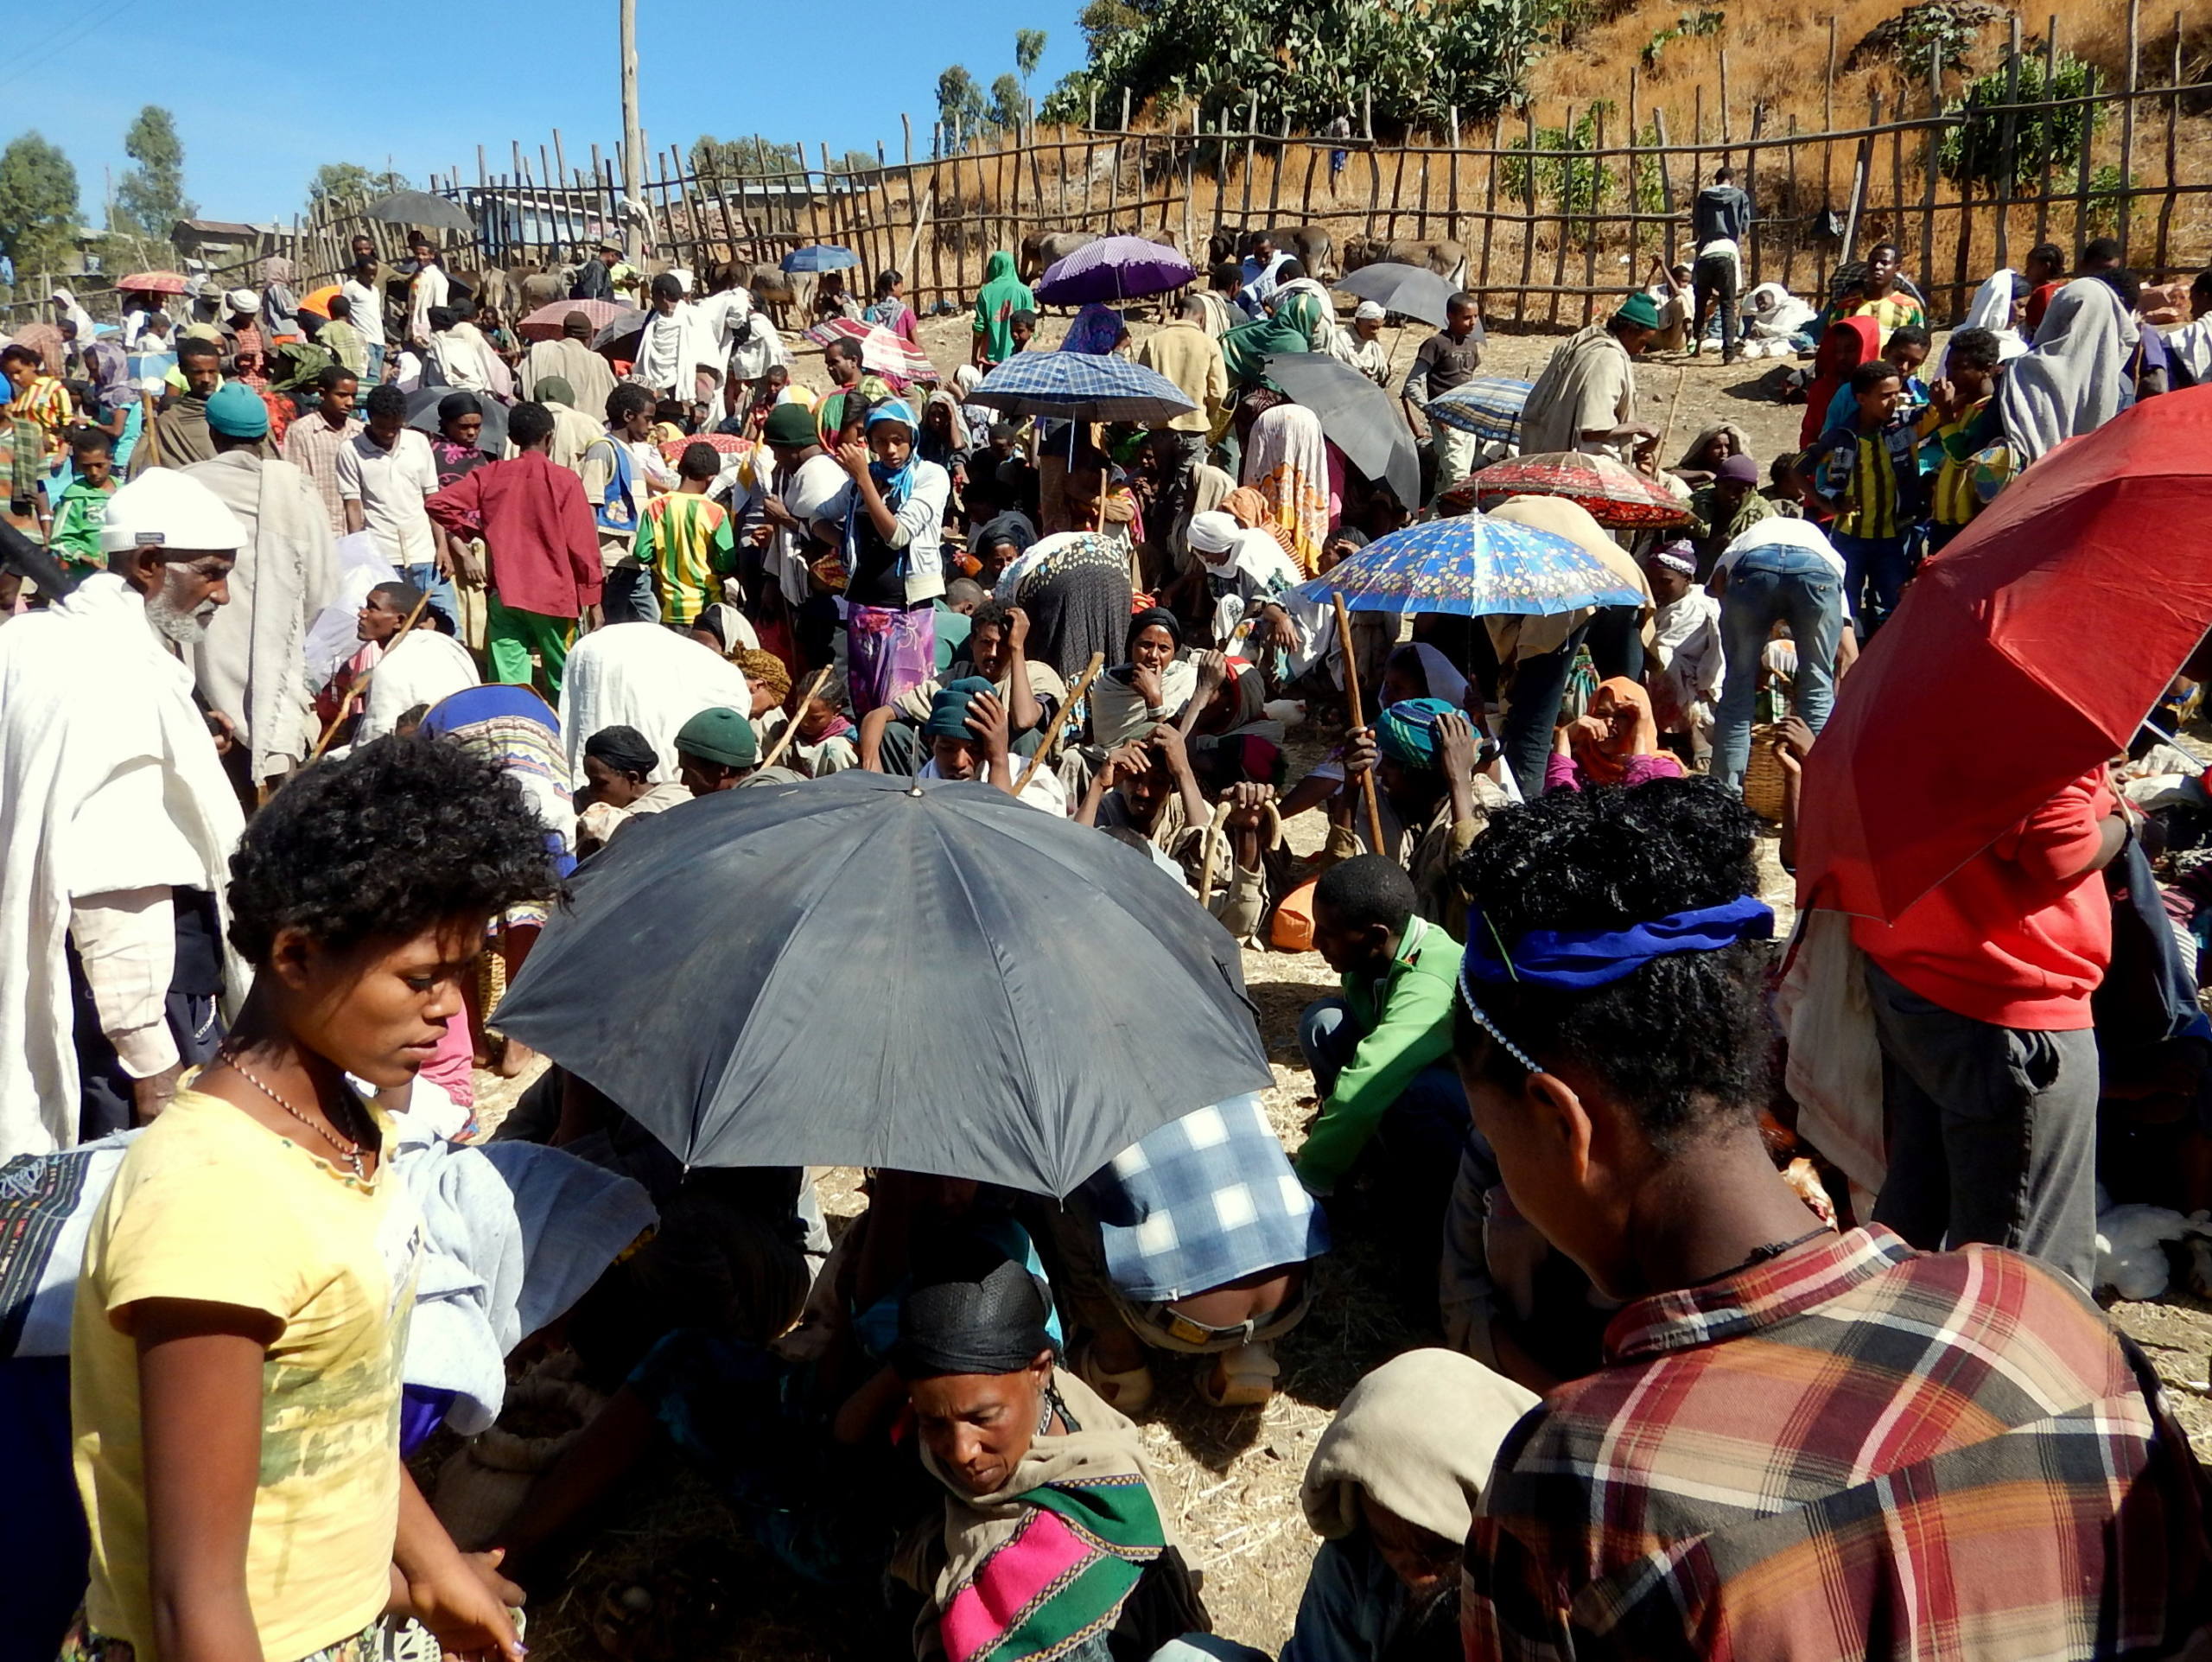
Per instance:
{"type": "Point", "coordinates": [1962, 419]}
{"type": "Point", "coordinates": [688, 543]}
{"type": "Point", "coordinates": [246, 1284]}
{"type": "Point", "coordinates": [1867, 474]}
{"type": "Point", "coordinates": [76, 537]}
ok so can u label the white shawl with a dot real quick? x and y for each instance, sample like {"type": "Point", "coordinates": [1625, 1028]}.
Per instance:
{"type": "Point", "coordinates": [90, 706]}
{"type": "Point", "coordinates": [2071, 382]}
{"type": "Point", "coordinates": [1993, 310]}
{"type": "Point", "coordinates": [643, 676]}
{"type": "Point", "coordinates": [252, 666]}
{"type": "Point", "coordinates": [671, 350]}
{"type": "Point", "coordinates": [421, 670]}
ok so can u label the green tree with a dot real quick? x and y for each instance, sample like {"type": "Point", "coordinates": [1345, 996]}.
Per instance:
{"type": "Point", "coordinates": [38, 204]}
{"type": "Point", "coordinates": [960, 103]}
{"type": "Point", "coordinates": [744, 158]}
{"type": "Point", "coordinates": [1972, 153]}
{"type": "Point", "coordinates": [1008, 103]}
{"type": "Point", "coordinates": [149, 198]}
{"type": "Point", "coordinates": [1028, 53]}
{"type": "Point", "coordinates": [349, 181]}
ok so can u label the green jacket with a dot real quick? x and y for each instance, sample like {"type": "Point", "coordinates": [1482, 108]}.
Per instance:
{"type": "Point", "coordinates": [1409, 1031]}
{"type": "Point", "coordinates": [76, 536]}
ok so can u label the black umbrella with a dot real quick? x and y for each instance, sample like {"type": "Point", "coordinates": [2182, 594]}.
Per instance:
{"type": "Point", "coordinates": [1356, 416]}
{"type": "Point", "coordinates": [1408, 290]}
{"type": "Point", "coordinates": [420, 210]}
{"type": "Point", "coordinates": [868, 970]}
{"type": "Point", "coordinates": [620, 333]}
{"type": "Point", "coordinates": [423, 416]}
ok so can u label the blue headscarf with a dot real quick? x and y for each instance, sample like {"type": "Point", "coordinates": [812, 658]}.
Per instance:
{"type": "Point", "coordinates": [1097, 331]}
{"type": "Point", "coordinates": [1592, 958]}
{"type": "Point", "coordinates": [1406, 732]}
{"type": "Point", "coordinates": [894, 483]}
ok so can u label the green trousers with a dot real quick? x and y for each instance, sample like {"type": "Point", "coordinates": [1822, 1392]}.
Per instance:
{"type": "Point", "coordinates": [512, 637]}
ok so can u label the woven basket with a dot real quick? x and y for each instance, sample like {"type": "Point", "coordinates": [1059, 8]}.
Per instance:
{"type": "Point", "coordinates": [1763, 780]}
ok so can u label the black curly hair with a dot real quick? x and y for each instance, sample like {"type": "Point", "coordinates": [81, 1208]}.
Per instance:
{"type": "Point", "coordinates": [1683, 1040]}
{"type": "Point", "coordinates": [396, 837]}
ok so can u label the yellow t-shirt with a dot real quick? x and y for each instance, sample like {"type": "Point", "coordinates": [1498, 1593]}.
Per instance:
{"type": "Point", "coordinates": [211, 1204]}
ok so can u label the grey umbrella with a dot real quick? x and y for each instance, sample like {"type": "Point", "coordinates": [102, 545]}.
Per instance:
{"type": "Point", "coordinates": [1408, 290]}
{"type": "Point", "coordinates": [870, 971]}
{"type": "Point", "coordinates": [1356, 416]}
{"type": "Point", "coordinates": [423, 416]}
{"type": "Point", "coordinates": [620, 332]}
{"type": "Point", "coordinates": [421, 210]}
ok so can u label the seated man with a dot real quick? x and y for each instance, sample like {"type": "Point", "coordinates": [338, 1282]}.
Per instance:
{"type": "Point", "coordinates": [1380, 1053]}
{"type": "Point", "coordinates": [1800, 1444]}
{"type": "Point", "coordinates": [619, 765]}
{"type": "Point", "coordinates": [1051, 1539]}
{"type": "Point", "coordinates": [716, 750]}
{"type": "Point", "coordinates": [1434, 804]}
{"type": "Point", "coordinates": [966, 735]}
{"type": "Point", "coordinates": [891, 739]}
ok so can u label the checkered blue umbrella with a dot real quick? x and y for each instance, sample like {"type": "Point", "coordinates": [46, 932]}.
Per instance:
{"type": "Point", "coordinates": [1488, 407]}
{"type": "Point", "coordinates": [1471, 566]}
{"type": "Point", "coordinates": [820, 257]}
{"type": "Point", "coordinates": [1080, 386]}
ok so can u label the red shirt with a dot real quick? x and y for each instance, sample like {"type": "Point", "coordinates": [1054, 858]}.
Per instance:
{"type": "Point", "coordinates": [2011, 937]}
{"type": "Point", "coordinates": [2038, 303]}
{"type": "Point", "coordinates": [537, 527]}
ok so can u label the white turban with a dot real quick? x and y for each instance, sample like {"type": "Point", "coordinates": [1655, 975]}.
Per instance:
{"type": "Point", "coordinates": [1369, 312]}
{"type": "Point", "coordinates": [1214, 533]}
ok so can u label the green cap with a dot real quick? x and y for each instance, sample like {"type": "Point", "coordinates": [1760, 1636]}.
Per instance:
{"type": "Point", "coordinates": [1639, 309]}
{"type": "Point", "coordinates": [791, 423]}
{"type": "Point", "coordinates": [720, 735]}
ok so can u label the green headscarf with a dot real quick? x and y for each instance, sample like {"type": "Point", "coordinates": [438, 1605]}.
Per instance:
{"type": "Point", "coordinates": [1003, 294]}
{"type": "Point", "coordinates": [1295, 326]}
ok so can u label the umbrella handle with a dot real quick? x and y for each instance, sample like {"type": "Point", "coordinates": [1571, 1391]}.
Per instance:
{"type": "Point", "coordinates": [345, 709]}
{"type": "Point", "coordinates": [1358, 720]}
{"type": "Point", "coordinates": [1044, 744]}
{"type": "Point", "coordinates": [791, 727]}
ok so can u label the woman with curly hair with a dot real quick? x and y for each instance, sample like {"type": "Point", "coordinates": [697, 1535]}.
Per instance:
{"type": "Point", "coordinates": [243, 1302]}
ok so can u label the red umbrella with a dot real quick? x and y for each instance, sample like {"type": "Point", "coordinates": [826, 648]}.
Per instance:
{"type": "Point", "coordinates": [727, 443]}
{"type": "Point", "coordinates": [1616, 496]}
{"type": "Point", "coordinates": [547, 322]}
{"type": "Point", "coordinates": [151, 283]}
{"type": "Point", "coordinates": [882, 352]}
{"type": "Point", "coordinates": [2023, 655]}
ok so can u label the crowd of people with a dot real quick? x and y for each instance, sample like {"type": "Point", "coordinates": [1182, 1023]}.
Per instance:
{"type": "Point", "coordinates": [333, 654]}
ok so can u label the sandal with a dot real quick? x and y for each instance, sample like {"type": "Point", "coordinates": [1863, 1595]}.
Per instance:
{"type": "Point", "coordinates": [1128, 1393]}
{"type": "Point", "coordinates": [1242, 1377]}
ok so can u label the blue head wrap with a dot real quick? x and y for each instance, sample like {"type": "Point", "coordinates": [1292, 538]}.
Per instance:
{"type": "Point", "coordinates": [1582, 958]}
{"type": "Point", "coordinates": [894, 483]}
{"type": "Point", "coordinates": [1407, 731]}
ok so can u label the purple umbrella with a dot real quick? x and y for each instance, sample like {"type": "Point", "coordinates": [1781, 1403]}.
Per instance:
{"type": "Point", "coordinates": [1114, 268]}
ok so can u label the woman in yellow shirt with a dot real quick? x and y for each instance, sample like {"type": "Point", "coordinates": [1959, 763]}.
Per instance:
{"type": "Point", "coordinates": [242, 1306]}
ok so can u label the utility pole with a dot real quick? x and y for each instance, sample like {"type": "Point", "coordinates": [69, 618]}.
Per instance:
{"type": "Point", "coordinates": [633, 138]}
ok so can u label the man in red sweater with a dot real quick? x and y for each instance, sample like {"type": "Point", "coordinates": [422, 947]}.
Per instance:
{"type": "Point", "coordinates": [1989, 1060]}
{"type": "Point", "coordinates": [546, 569]}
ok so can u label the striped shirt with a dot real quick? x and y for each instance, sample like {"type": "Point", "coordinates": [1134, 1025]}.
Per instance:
{"type": "Point", "coordinates": [1872, 480]}
{"type": "Point", "coordinates": [687, 542]}
{"type": "Point", "coordinates": [312, 444]}
{"type": "Point", "coordinates": [1854, 1451]}
{"type": "Point", "coordinates": [1955, 502]}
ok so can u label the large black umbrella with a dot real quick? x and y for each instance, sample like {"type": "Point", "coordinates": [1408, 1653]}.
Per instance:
{"type": "Point", "coordinates": [421, 210]}
{"type": "Point", "coordinates": [618, 336]}
{"type": "Point", "coordinates": [1356, 416]}
{"type": "Point", "coordinates": [868, 970]}
{"type": "Point", "coordinates": [423, 416]}
{"type": "Point", "coordinates": [1408, 290]}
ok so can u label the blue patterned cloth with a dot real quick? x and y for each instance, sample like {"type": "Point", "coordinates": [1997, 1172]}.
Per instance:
{"type": "Point", "coordinates": [1471, 566]}
{"type": "Point", "coordinates": [1488, 407]}
{"type": "Point", "coordinates": [1203, 1200]}
{"type": "Point", "coordinates": [820, 257]}
{"type": "Point", "coordinates": [1081, 386]}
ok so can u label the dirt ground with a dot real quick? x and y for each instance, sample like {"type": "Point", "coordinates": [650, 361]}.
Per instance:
{"type": "Point", "coordinates": [1232, 1478]}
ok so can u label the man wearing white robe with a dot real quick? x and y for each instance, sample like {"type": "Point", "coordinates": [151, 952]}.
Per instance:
{"type": "Point", "coordinates": [116, 824]}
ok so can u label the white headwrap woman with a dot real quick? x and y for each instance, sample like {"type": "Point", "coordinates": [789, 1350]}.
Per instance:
{"type": "Point", "coordinates": [2075, 380]}
{"type": "Point", "coordinates": [1995, 307]}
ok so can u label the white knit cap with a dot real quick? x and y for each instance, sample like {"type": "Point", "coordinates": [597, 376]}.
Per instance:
{"type": "Point", "coordinates": [243, 300]}
{"type": "Point", "coordinates": [1213, 532]}
{"type": "Point", "coordinates": [1369, 312]}
{"type": "Point", "coordinates": [164, 509]}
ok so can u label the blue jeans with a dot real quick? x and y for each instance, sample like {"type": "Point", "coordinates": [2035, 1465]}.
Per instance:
{"type": "Point", "coordinates": [1532, 710]}
{"type": "Point", "coordinates": [376, 364]}
{"type": "Point", "coordinates": [1874, 570]}
{"type": "Point", "coordinates": [628, 596]}
{"type": "Point", "coordinates": [1769, 584]}
{"type": "Point", "coordinates": [438, 586]}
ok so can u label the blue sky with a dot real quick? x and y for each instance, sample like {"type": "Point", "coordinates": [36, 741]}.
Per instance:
{"type": "Point", "coordinates": [424, 83]}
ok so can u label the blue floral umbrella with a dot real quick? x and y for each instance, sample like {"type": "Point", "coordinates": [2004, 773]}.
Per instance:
{"type": "Point", "coordinates": [820, 257]}
{"type": "Point", "coordinates": [1488, 407]}
{"type": "Point", "coordinates": [1471, 566]}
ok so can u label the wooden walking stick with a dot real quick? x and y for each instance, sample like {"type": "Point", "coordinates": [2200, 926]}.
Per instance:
{"type": "Point", "coordinates": [346, 709]}
{"type": "Point", "coordinates": [791, 727]}
{"type": "Point", "coordinates": [149, 434]}
{"type": "Point", "coordinates": [1358, 721]}
{"type": "Point", "coordinates": [1089, 674]}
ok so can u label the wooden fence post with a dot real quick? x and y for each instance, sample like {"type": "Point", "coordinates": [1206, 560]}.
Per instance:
{"type": "Point", "coordinates": [2173, 115]}
{"type": "Point", "coordinates": [2127, 124]}
{"type": "Point", "coordinates": [2049, 81]}
{"type": "Point", "coordinates": [2081, 170]}
{"type": "Point", "coordinates": [1528, 217]}
{"type": "Point", "coordinates": [1452, 186]}
{"type": "Point", "coordinates": [1932, 169]}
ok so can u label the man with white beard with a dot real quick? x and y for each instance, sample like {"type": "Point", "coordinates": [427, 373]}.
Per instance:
{"type": "Point", "coordinates": [116, 823]}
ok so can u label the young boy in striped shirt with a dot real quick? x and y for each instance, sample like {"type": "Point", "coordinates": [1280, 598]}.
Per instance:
{"type": "Point", "coordinates": [1962, 420]}
{"type": "Point", "coordinates": [1868, 473]}
{"type": "Point", "coordinates": [686, 541]}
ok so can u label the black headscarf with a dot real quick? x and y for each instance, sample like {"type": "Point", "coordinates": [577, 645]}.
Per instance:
{"type": "Point", "coordinates": [623, 749]}
{"type": "Point", "coordinates": [971, 1309]}
{"type": "Point", "coordinates": [455, 405]}
{"type": "Point", "coordinates": [1145, 619]}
